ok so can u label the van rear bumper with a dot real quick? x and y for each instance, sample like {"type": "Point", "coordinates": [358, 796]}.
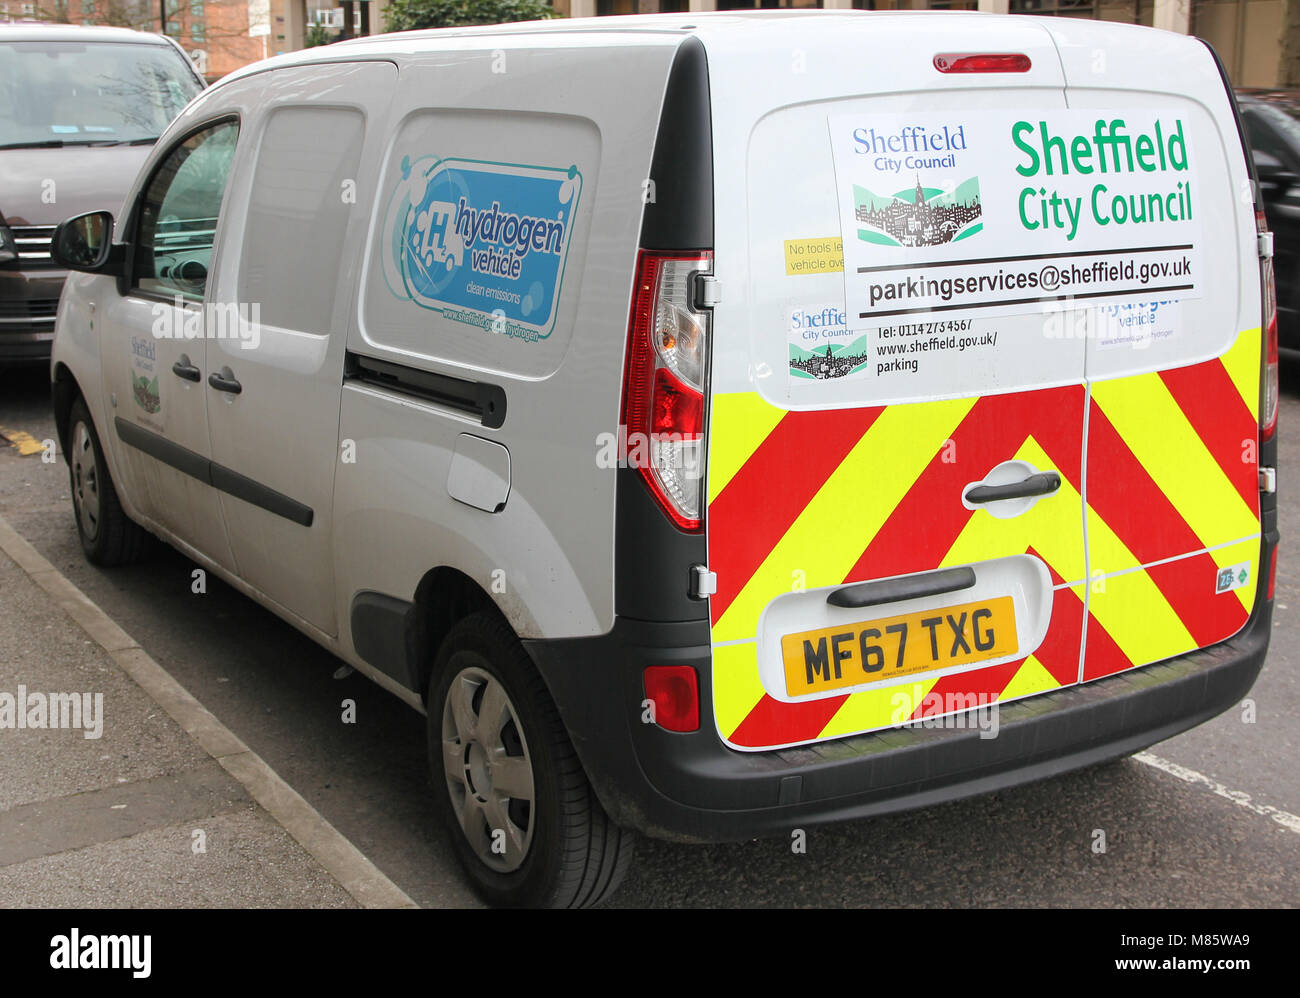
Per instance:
{"type": "Point", "coordinates": [692, 787]}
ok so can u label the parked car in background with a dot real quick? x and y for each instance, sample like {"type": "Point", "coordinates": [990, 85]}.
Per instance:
{"type": "Point", "coordinates": [79, 110]}
{"type": "Point", "coordinates": [1272, 120]}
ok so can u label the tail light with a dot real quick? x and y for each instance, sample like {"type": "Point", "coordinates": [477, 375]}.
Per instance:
{"type": "Point", "coordinates": [982, 62]}
{"type": "Point", "coordinates": [1268, 417]}
{"type": "Point", "coordinates": [675, 692]}
{"type": "Point", "coordinates": [663, 388]}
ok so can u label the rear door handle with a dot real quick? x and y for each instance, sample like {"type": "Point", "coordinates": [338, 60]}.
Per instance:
{"type": "Point", "coordinates": [225, 381]}
{"type": "Point", "coordinates": [184, 369]}
{"type": "Point", "coordinates": [1042, 484]}
{"type": "Point", "coordinates": [947, 580]}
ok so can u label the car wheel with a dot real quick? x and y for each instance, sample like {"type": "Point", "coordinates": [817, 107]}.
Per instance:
{"type": "Point", "coordinates": [108, 536]}
{"type": "Point", "coordinates": [510, 790]}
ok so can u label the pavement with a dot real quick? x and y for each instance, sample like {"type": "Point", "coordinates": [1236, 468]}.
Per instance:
{"type": "Point", "coordinates": [119, 789]}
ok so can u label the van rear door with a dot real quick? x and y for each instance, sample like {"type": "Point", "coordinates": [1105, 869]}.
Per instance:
{"type": "Point", "coordinates": [1173, 510]}
{"type": "Point", "coordinates": [895, 473]}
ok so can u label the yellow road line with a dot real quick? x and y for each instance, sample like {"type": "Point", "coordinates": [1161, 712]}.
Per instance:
{"type": "Point", "coordinates": [26, 444]}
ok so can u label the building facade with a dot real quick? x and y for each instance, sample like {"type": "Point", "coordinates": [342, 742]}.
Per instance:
{"type": "Point", "coordinates": [1251, 36]}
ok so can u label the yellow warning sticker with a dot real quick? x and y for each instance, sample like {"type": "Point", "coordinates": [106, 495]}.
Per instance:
{"type": "Point", "coordinates": [814, 256]}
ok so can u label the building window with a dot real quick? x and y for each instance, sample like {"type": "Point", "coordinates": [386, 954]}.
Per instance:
{"type": "Point", "coordinates": [766, 4]}
{"type": "Point", "coordinates": [1064, 8]}
{"type": "Point", "coordinates": [198, 32]}
{"type": "Point", "coordinates": [196, 8]}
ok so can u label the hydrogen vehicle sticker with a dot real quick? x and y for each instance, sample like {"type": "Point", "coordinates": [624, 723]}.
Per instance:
{"type": "Point", "coordinates": [481, 243]}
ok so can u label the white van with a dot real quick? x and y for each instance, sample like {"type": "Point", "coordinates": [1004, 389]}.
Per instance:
{"type": "Point", "coordinates": [718, 424]}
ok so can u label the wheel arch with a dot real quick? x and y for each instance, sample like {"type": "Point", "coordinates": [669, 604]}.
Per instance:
{"type": "Point", "coordinates": [64, 391]}
{"type": "Point", "coordinates": [443, 597]}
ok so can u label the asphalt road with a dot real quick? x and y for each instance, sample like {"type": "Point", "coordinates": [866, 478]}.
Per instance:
{"type": "Point", "coordinates": [1168, 842]}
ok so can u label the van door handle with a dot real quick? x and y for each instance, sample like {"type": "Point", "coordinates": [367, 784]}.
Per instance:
{"type": "Point", "coordinates": [948, 580]}
{"type": "Point", "coordinates": [1042, 484]}
{"type": "Point", "coordinates": [184, 369]}
{"type": "Point", "coordinates": [225, 381]}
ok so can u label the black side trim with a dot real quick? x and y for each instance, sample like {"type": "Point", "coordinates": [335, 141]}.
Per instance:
{"type": "Point", "coordinates": [209, 472]}
{"type": "Point", "coordinates": [485, 401]}
{"type": "Point", "coordinates": [681, 214]}
{"type": "Point", "coordinates": [181, 458]}
{"type": "Point", "coordinates": [948, 580]}
{"type": "Point", "coordinates": [379, 635]}
{"type": "Point", "coordinates": [242, 487]}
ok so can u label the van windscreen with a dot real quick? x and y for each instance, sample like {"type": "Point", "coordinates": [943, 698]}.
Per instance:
{"type": "Point", "coordinates": [82, 93]}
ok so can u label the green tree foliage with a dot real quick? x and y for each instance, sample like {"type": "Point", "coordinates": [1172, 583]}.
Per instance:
{"type": "Point", "coordinates": [405, 15]}
{"type": "Point", "coordinates": [318, 35]}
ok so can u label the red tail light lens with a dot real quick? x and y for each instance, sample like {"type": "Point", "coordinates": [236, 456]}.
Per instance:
{"type": "Point", "coordinates": [675, 692]}
{"type": "Point", "coordinates": [989, 62]}
{"type": "Point", "coordinates": [1268, 417]}
{"type": "Point", "coordinates": [663, 391]}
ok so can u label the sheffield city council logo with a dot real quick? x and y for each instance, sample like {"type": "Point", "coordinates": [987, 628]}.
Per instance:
{"type": "Point", "coordinates": [919, 216]}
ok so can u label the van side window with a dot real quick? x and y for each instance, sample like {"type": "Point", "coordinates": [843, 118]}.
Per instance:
{"type": "Point", "coordinates": [178, 214]}
{"type": "Point", "coordinates": [303, 193]}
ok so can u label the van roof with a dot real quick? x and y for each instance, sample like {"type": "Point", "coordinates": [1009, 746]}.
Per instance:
{"type": "Point", "coordinates": [745, 21]}
{"type": "Point", "coordinates": [39, 32]}
{"type": "Point", "coordinates": [727, 27]}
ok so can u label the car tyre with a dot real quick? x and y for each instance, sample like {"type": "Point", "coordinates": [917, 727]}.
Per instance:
{"type": "Point", "coordinates": [108, 536]}
{"type": "Point", "coordinates": [508, 785]}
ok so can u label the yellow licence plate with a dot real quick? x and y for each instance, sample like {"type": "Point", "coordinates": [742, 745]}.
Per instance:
{"type": "Point", "coordinates": [875, 650]}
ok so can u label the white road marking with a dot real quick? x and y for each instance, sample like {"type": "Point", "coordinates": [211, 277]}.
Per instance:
{"type": "Point", "coordinates": [1238, 797]}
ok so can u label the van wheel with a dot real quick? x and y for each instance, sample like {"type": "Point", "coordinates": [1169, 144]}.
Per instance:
{"type": "Point", "coordinates": [508, 785]}
{"type": "Point", "coordinates": [108, 537]}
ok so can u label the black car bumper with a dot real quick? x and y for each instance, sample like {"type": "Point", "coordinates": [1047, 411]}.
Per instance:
{"type": "Point", "coordinates": [692, 787]}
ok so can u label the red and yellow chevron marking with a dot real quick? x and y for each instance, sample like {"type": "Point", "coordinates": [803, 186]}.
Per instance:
{"type": "Point", "coordinates": [822, 498]}
{"type": "Point", "coordinates": [1173, 497]}
{"type": "Point", "coordinates": [817, 499]}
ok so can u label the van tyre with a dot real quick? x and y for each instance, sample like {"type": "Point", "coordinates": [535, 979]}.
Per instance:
{"type": "Point", "coordinates": [508, 786]}
{"type": "Point", "coordinates": [108, 536]}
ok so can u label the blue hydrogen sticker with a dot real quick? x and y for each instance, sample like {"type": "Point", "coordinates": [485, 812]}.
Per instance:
{"type": "Point", "coordinates": [482, 243]}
